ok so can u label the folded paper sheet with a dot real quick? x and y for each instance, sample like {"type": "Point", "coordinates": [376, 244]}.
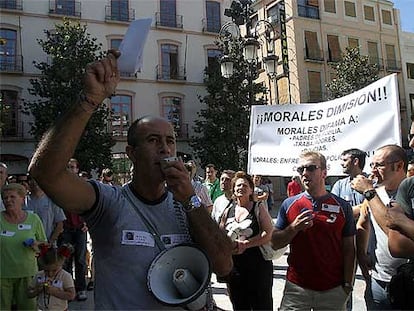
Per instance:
{"type": "Point", "coordinates": [132, 46]}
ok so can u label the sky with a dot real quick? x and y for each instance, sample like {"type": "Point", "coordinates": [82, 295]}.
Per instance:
{"type": "Point", "coordinates": [406, 8]}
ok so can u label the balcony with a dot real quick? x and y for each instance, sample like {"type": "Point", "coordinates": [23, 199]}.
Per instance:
{"type": "Point", "coordinates": [65, 7]}
{"type": "Point", "coordinates": [393, 65]}
{"type": "Point", "coordinates": [333, 57]}
{"type": "Point", "coordinates": [166, 73]}
{"type": "Point", "coordinates": [11, 63]}
{"type": "Point", "coordinates": [181, 131]}
{"type": "Point", "coordinates": [14, 131]}
{"type": "Point", "coordinates": [211, 25]}
{"type": "Point", "coordinates": [313, 55]}
{"type": "Point", "coordinates": [168, 20]}
{"type": "Point", "coordinates": [119, 15]}
{"type": "Point", "coordinates": [11, 5]}
{"type": "Point", "coordinates": [308, 11]}
{"type": "Point", "coordinates": [376, 61]}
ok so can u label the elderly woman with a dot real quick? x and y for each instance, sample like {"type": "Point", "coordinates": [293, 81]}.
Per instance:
{"type": "Point", "coordinates": [20, 234]}
{"type": "Point", "coordinates": [249, 224]}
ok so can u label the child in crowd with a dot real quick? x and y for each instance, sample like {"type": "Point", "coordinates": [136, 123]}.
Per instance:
{"type": "Point", "coordinates": [53, 286]}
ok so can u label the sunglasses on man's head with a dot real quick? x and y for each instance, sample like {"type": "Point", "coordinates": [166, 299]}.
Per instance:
{"type": "Point", "coordinates": [309, 168]}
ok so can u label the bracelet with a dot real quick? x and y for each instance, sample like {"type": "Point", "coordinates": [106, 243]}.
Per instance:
{"type": "Point", "coordinates": [86, 104]}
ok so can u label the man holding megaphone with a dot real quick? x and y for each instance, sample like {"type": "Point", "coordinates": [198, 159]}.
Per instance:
{"type": "Point", "coordinates": [134, 224]}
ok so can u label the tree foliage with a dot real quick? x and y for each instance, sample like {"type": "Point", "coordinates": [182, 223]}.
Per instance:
{"type": "Point", "coordinates": [69, 48]}
{"type": "Point", "coordinates": [352, 73]}
{"type": "Point", "coordinates": [222, 127]}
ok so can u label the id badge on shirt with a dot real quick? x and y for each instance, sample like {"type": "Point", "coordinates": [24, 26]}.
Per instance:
{"type": "Point", "coordinates": [24, 227]}
{"type": "Point", "coordinates": [7, 233]}
{"type": "Point", "coordinates": [170, 240]}
{"type": "Point", "coordinates": [134, 237]}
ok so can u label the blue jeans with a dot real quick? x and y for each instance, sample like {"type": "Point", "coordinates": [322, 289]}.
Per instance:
{"type": "Point", "coordinates": [376, 295]}
{"type": "Point", "coordinates": [77, 238]}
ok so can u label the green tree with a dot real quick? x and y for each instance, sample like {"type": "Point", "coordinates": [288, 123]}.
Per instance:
{"type": "Point", "coordinates": [69, 48]}
{"type": "Point", "coordinates": [352, 73]}
{"type": "Point", "coordinates": [222, 127]}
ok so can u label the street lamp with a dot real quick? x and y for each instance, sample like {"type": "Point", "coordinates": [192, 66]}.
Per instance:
{"type": "Point", "coordinates": [253, 41]}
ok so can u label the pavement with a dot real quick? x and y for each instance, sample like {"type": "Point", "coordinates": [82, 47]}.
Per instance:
{"type": "Point", "coordinates": [222, 299]}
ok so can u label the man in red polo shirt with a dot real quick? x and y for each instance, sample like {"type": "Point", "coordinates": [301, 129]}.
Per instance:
{"type": "Point", "coordinates": [320, 229]}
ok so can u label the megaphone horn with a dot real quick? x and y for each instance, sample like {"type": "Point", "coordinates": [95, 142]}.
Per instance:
{"type": "Point", "coordinates": [180, 276]}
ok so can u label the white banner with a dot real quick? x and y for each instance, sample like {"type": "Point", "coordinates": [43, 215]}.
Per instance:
{"type": "Point", "coordinates": [366, 119]}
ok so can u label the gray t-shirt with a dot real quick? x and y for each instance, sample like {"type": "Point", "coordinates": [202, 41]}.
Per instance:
{"type": "Point", "coordinates": [124, 249]}
{"type": "Point", "coordinates": [49, 212]}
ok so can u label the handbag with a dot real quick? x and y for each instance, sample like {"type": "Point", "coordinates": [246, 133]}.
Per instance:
{"type": "Point", "coordinates": [401, 287]}
{"type": "Point", "coordinates": [267, 250]}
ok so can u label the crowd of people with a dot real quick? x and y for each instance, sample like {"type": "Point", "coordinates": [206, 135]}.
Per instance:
{"type": "Point", "coordinates": [367, 218]}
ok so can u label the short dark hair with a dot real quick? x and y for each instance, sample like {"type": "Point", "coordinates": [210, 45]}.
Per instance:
{"type": "Point", "coordinates": [210, 165]}
{"type": "Point", "coordinates": [397, 154]}
{"type": "Point", "coordinates": [357, 154]}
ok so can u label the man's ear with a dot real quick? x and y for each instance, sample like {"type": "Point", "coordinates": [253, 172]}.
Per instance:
{"type": "Point", "coordinates": [131, 153]}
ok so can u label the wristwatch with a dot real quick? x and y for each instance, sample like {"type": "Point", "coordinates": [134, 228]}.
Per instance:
{"type": "Point", "coordinates": [193, 203]}
{"type": "Point", "coordinates": [370, 194]}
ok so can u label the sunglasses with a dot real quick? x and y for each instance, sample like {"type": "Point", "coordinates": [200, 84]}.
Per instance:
{"type": "Point", "coordinates": [375, 165]}
{"type": "Point", "coordinates": [309, 168]}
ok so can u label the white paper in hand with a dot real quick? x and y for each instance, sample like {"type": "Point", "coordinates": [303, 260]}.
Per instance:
{"type": "Point", "coordinates": [132, 46]}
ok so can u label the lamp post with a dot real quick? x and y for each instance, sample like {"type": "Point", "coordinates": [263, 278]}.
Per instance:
{"type": "Point", "coordinates": [253, 42]}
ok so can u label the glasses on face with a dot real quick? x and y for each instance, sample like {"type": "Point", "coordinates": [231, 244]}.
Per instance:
{"type": "Point", "coordinates": [309, 168]}
{"type": "Point", "coordinates": [376, 165]}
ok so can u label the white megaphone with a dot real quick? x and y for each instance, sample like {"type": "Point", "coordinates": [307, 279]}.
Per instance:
{"type": "Point", "coordinates": [179, 276]}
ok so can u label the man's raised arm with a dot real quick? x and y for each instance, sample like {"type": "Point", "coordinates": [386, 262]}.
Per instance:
{"type": "Point", "coordinates": [48, 166]}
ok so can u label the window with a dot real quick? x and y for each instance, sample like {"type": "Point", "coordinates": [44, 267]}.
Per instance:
{"type": "Point", "coordinates": [312, 50]}
{"type": "Point", "coordinates": [369, 14]}
{"type": "Point", "coordinates": [8, 57]}
{"type": "Point", "coordinates": [9, 111]}
{"type": "Point", "coordinates": [213, 16]}
{"type": "Point", "coordinates": [308, 8]}
{"type": "Point", "coordinates": [391, 58]}
{"type": "Point", "coordinates": [410, 71]}
{"type": "Point", "coordinates": [168, 13]}
{"type": "Point", "coordinates": [334, 49]}
{"type": "Point", "coordinates": [213, 56]}
{"type": "Point", "coordinates": [65, 7]}
{"type": "Point", "coordinates": [353, 43]}
{"type": "Point", "coordinates": [330, 6]}
{"type": "Point", "coordinates": [273, 14]}
{"type": "Point", "coordinates": [121, 107]}
{"type": "Point", "coordinates": [119, 10]}
{"type": "Point", "coordinates": [350, 9]}
{"type": "Point", "coordinates": [11, 4]}
{"type": "Point", "coordinates": [373, 53]}
{"type": "Point", "coordinates": [315, 86]}
{"type": "Point", "coordinates": [169, 61]}
{"type": "Point", "coordinates": [386, 17]}
{"type": "Point", "coordinates": [171, 110]}
{"type": "Point", "coordinates": [115, 43]}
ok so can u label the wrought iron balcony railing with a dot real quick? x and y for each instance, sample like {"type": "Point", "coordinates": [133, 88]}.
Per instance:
{"type": "Point", "coordinates": [313, 55]}
{"type": "Point", "coordinates": [168, 20]}
{"type": "Point", "coordinates": [393, 65]}
{"type": "Point", "coordinates": [211, 25]}
{"type": "Point", "coordinates": [308, 11]}
{"type": "Point", "coordinates": [11, 63]}
{"type": "Point", "coordinates": [171, 73]}
{"type": "Point", "coordinates": [65, 7]}
{"type": "Point", "coordinates": [11, 5]}
{"type": "Point", "coordinates": [119, 14]}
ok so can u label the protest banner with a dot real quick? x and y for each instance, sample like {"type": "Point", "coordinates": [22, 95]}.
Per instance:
{"type": "Point", "coordinates": [366, 119]}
